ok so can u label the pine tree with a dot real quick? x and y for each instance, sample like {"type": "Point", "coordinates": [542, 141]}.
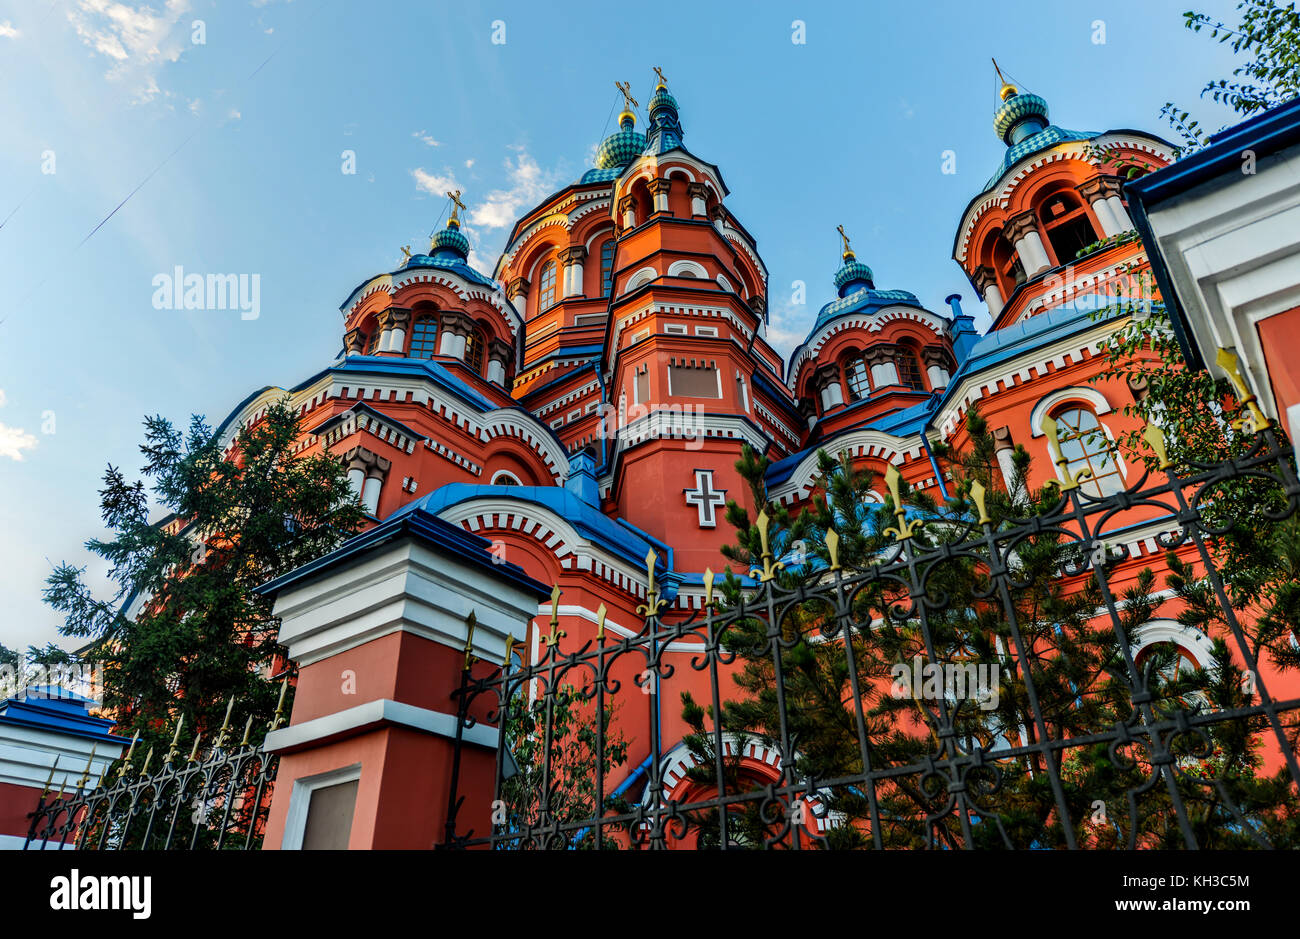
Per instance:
{"type": "Point", "coordinates": [238, 518]}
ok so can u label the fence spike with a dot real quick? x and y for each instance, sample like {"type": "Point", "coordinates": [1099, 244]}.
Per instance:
{"type": "Point", "coordinates": [833, 547]}
{"type": "Point", "coordinates": [556, 631]}
{"type": "Point", "coordinates": [978, 492]}
{"type": "Point", "coordinates": [144, 770]}
{"type": "Point", "coordinates": [600, 622]}
{"type": "Point", "coordinates": [225, 725]}
{"type": "Point", "coordinates": [126, 763]}
{"type": "Point", "coordinates": [1071, 480]}
{"type": "Point", "coordinates": [172, 752]}
{"type": "Point", "coordinates": [652, 604]}
{"type": "Point", "coordinates": [85, 774]}
{"type": "Point", "coordinates": [278, 718]}
{"type": "Point", "coordinates": [1155, 439]}
{"type": "Point", "coordinates": [708, 587]}
{"type": "Point", "coordinates": [904, 529]}
{"type": "Point", "coordinates": [470, 622]}
{"type": "Point", "coordinates": [194, 750]}
{"type": "Point", "coordinates": [510, 649]}
{"type": "Point", "coordinates": [1230, 363]}
{"type": "Point", "coordinates": [49, 779]}
{"type": "Point", "coordinates": [248, 729]}
{"type": "Point", "coordinates": [770, 566]}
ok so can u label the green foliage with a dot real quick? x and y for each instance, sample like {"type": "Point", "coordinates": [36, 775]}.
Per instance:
{"type": "Point", "coordinates": [555, 758]}
{"type": "Point", "coordinates": [835, 692]}
{"type": "Point", "coordinates": [201, 633]}
{"type": "Point", "coordinates": [1268, 35]}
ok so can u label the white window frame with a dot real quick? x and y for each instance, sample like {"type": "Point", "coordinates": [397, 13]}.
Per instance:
{"type": "Point", "coordinates": [295, 822]}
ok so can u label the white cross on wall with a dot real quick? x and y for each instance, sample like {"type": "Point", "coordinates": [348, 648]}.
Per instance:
{"type": "Point", "coordinates": [705, 498]}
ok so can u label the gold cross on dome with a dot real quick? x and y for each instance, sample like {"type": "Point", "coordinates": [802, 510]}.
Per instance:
{"type": "Point", "coordinates": [457, 205]}
{"type": "Point", "coordinates": [840, 229]}
{"type": "Point", "coordinates": [628, 101]}
{"type": "Point", "coordinates": [406, 252]}
{"type": "Point", "coordinates": [660, 72]}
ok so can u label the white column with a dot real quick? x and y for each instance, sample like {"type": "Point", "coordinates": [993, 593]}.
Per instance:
{"type": "Point", "coordinates": [496, 372]}
{"type": "Point", "coordinates": [396, 339]}
{"type": "Point", "coordinates": [1006, 464]}
{"type": "Point", "coordinates": [1122, 222]}
{"type": "Point", "coordinates": [938, 376]}
{"type": "Point", "coordinates": [356, 479]}
{"type": "Point", "coordinates": [832, 395]}
{"type": "Point", "coordinates": [1106, 217]}
{"type": "Point", "coordinates": [697, 205]}
{"type": "Point", "coordinates": [1033, 256]}
{"type": "Point", "coordinates": [370, 494]}
{"type": "Point", "coordinates": [993, 299]}
{"type": "Point", "coordinates": [883, 373]}
{"type": "Point", "coordinates": [447, 343]}
{"type": "Point", "coordinates": [573, 279]}
{"type": "Point", "coordinates": [661, 201]}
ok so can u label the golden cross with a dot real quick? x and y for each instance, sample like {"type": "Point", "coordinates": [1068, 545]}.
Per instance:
{"type": "Point", "coordinates": [660, 72]}
{"type": "Point", "coordinates": [458, 205]}
{"type": "Point", "coordinates": [626, 89]}
{"type": "Point", "coordinates": [840, 229]}
{"type": "Point", "coordinates": [999, 71]}
{"type": "Point", "coordinates": [406, 252]}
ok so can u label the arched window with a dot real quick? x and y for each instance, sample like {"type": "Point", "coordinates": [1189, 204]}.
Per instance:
{"type": "Point", "coordinates": [909, 368]}
{"type": "Point", "coordinates": [424, 337]}
{"type": "Point", "coordinates": [1005, 263]}
{"type": "Point", "coordinates": [372, 344]}
{"type": "Point", "coordinates": [606, 267]}
{"type": "Point", "coordinates": [546, 294]}
{"type": "Point", "coordinates": [474, 351]}
{"type": "Point", "coordinates": [855, 374]}
{"type": "Point", "coordinates": [1067, 225]}
{"type": "Point", "coordinates": [505, 478]}
{"type": "Point", "coordinates": [1086, 445]}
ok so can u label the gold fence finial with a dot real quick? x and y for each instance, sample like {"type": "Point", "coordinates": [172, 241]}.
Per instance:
{"type": "Point", "coordinates": [85, 775]}
{"type": "Point", "coordinates": [248, 729]}
{"type": "Point", "coordinates": [556, 631]}
{"type": "Point", "coordinates": [470, 622]}
{"type": "Point", "coordinates": [126, 761]}
{"type": "Point", "coordinates": [708, 588]}
{"type": "Point", "coordinates": [1071, 480]}
{"type": "Point", "coordinates": [1230, 363]}
{"type": "Point", "coordinates": [194, 750]}
{"type": "Point", "coordinates": [652, 604]}
{"type": "Point", "coordinates": [277, 721]}
{"type": "Point", "coordinates": [977, 492]}
{"type": "Point", "coordinates": [600, 622]}
{"type": "Point", "coordinates": [904, 529]}
{"type": "Point", "coordinates": [172, 752]}
{"type": "Point", "coordinates": [833, 547]}
{"type": "Point", "coordinates": [1155, 439]}
{"type": "Point", "coordinates": [770, 565]}
{"type": "Point", "coordinates": [148, 757]}
{"type": "Point", "coordinates": [510, 649]}
{"type": "Point", "coordinates": [50, 779]}
{"type": "Point", "coordinates": [225, 725]}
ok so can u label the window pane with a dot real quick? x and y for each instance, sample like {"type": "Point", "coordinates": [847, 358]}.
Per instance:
{"type": "Point", "coordinates": [546, 297]}
{"type": "Point", "coordinates": [606, 267]}
{"type": "Point", "coordinates": [474, 351]}
{"type": "Point", "coordinates": [856, 374]}
{"type": "Point", "coordinates": [424, 336]}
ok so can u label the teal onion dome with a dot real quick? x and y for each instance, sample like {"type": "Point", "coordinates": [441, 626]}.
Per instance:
{"type": "Point", "coordinates": [1020, 115]}
{"type": "Point", "coordinates": [621, 148]}
{"type": "Point", "coordinates": [852, 274]}
{"type": "Point", "coordinates": [450, 240]}
{"type": "Point", "coordinates": [662, 99]}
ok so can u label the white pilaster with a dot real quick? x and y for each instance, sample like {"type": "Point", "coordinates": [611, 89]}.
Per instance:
{"type": "Point", "coordinates": [993, 299]}
{"type": "Point", "coordinates": [1122, 222]}
{"type": "Point", "coordinates": [370, 494]}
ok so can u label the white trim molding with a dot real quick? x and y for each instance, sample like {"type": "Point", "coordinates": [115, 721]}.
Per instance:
{"type": "Point", "coordinates": [1091, 396]}
{"type": "Point", "coordinates": [295, 823]}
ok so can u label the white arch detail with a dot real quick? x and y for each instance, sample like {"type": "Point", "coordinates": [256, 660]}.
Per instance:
{"type": "Point", "coordinates": [640, 278]}
{"type": "Point", "coordinates": [1095, 399]}
{"type": "Point", "coordinates": [687, 269]}
{"type": "Point", "coordinates": [1155, 631]}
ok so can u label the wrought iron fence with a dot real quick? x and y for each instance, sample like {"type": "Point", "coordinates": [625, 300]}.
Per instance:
{"type": "Point", "coordinates": [806, 739]}
{"type": "Point", "coordinates": [218, 800]}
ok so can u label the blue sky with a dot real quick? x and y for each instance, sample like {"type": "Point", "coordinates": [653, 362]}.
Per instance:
{"type": "Point", "coordinates": [236, 146]}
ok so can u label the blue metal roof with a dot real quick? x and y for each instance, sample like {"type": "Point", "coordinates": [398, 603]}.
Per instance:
{"type": "Point", "coordinates": [1039, 330]}
{"type": "Point", "coordinates": [1050, 136]}
{"type": "Point", "coordinates": [623, 540]}
{"type": "Point", "coordinates": [1264, 134]}
{"type": "Point", "coordinates": [412, 521]}
{"type": "Point", "coordinates": [57, 710]}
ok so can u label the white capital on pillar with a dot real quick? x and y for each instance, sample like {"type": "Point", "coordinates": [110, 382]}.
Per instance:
{"type": "Point", "coordinates": [883, 373]}
{"type": "Point", "coordinates": [496, 371]}
{"type": "Point", "coordinates": [629, 218]}
{"type": "Point", "coordinates": [832, 395]}
{"type": "Point", "coordinates": [938, 376]}
{"type": "Point", "coordinates": [396, 339]}
{"type": "Point", "coordinates": [697, 205]}
{"type": "Point", "coordinates": [447, 343]}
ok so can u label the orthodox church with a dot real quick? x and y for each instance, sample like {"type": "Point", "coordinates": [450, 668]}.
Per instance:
{"type": "Point", "coordinates": [581, 406]}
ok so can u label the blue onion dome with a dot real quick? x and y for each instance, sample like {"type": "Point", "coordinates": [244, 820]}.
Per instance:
{"type": "Point", "coordinates": [450, 241]}
{"type": "Point", "coordinates": [1021, 115]}
{"type": "Point", "coordinates": [853, 274]}
{"type": "Point", "coordinates": [662, 99]}
{"type": "Point", "coordinates": [622, 148]}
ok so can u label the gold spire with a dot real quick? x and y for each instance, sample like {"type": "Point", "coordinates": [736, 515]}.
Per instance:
{"type": "Point", "coordinates": [848, 252]}
{"type": "Point", "coordinates": [628, 101]}
{"type": "Point", "coordinates": [1007, 89]}
{"type": "Point", "coordinates": [456, 207]}
{"type": "Point", "coordinates": [663, 82]}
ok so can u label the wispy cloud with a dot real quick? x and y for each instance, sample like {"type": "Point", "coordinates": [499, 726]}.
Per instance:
{"type": "Point", "coordinates": [527, 184]}
{"type": "Point", "coordinates": [14, 440]}
{"type": "Point", "coordinates": [424, 138]}
{"type": "Point", "coordinates": [432, 183]}
{"type": "Point", "coordinates": [787, 324]}
{"type": "Point", "coordinates": [137, 39]}
{"type": "Point", "coordinates": [8, 31]}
